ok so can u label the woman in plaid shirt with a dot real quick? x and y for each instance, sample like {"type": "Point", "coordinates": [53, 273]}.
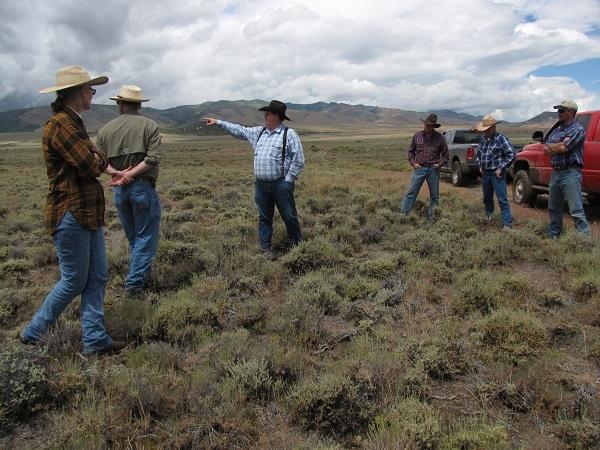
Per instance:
{"type": "Point", "coordinates": [74, 213]}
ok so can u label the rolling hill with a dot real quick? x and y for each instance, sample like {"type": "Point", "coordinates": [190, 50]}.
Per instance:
{"type": "Point", "coordinates": [320, 116]}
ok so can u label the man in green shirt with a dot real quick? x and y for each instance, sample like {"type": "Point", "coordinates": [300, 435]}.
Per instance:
{"type": "Point", "coordinates": [131, 143]}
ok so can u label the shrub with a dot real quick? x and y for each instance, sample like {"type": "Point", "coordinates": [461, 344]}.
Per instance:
{"type": "Point", "coordinates": [14, 268]}
{"type": "Point", "coordinates": [347, 239]}
{"type": "Point", "coordinates": [25, 385]}
{"type": "Point", "coordinates": [584, 287]}
{"type": "Point", "coordinates": [179, 193]}
{"type": "Point", "coordinates": [331, 404]}
{"type": "Point", "coordinates": [379, 268]}
{"type": "Point", "coordinates": [477, 291]}
{"type": "Point", "coordinates": [441, 357]}
{"type": "Point", "coordinates": [188, 314]}
{"type": "Point", "coordinates": [177, 263]}
{"type": "Point", "coordinates": [317, 289]}
{"type": "Point", "coordinates": [408, 424]}
{"type": "Point", "coordinates": [310, 255]}
{"type": "Point", "coordinates": [579, 434]}
{"type": "Point", "coordinates": [158, 355]}
{"type": "Point", "coordinates": [477, 436]}
{"type": "Point", "coordinates": [514, 334]}
{"type": "Point", "coordinates": [249, 380]}
{"type": "Point", "coordinates": [301, 322]}
{"type": "Point", "coordinates": [125, 319]}
{"type": "Point", "coordinates": [355, 288]}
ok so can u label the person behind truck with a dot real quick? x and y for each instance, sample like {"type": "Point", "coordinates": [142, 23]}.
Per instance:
{"type": "Point", "coordinates": [494, 155]}
{"type": "Point", "coordinates": [564, 144]}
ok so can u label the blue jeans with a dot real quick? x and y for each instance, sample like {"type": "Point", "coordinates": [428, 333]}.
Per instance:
{"type": "Point", "coordinates": [565, 186]}
{"type": "Point", "coordinates": [280, 193]}
{"type": "Point", "coordinates": [432, 176]}
{"type": "Point", "coordinates": [490, 183]}
{"type": "Point", "coordinates": [83, 269]}
{"type": "Point", "coordinates": [138, 207]}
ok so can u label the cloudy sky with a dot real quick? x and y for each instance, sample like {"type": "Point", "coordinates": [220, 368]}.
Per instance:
{"type": "Point", "coordinates": [513, 58]}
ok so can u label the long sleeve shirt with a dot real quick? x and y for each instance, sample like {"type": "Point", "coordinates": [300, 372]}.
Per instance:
{"type": "Point", "coordinates": [72, 166]}
{"type": "Point", "coordinates": [495, 152]}
{"type": "Point", "coordinates": [268, 150]}
{"type": "Point", "coordinates": [130, 139]}
{"type": "Point", "coordinates": [427, 151]}
{"type": "Point", "coordinates": [572, 134]}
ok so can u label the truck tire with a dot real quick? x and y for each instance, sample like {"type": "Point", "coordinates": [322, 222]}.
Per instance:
{"type": "Point", "coordinates": [523, 193]}
{"type": "Point", "coordinates": [458, 178]}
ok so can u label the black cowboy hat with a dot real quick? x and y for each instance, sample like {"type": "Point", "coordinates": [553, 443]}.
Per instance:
{"type": "Point", "coordinates": [431, 119]}
{"type": "Point", "coordinates": [276, 107]}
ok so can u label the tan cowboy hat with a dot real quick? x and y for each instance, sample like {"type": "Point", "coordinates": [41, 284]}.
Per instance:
{"type": "Point", "coordinates": [72, 76]}
{"type": "Point", "coordinates": [130, 93]}
{"type": "Point", "coordinates": [567, 104]}
{"type": "Point", "coordinates": [431, 119]}
{"type": "Point", "coordinates": [487, 122]}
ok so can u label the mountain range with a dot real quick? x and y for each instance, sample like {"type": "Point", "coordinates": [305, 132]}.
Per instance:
{"type": "Point", "coordinates": [317, 117]}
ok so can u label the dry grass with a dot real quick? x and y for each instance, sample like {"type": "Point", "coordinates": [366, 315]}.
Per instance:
{"type": "Point", "coordinates": [377, 332]}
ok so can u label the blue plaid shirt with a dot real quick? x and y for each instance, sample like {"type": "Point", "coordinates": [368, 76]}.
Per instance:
{"type": "Point", "coordinates": [573, 136]}
{"type": "Point", "coordinates": [268, 149]}
{"type": "Point", "coordinates": [495, 152]}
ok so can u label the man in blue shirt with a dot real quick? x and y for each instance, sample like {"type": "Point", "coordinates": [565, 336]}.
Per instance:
{"type": "Point", "coordinates": [564, 143]}
{"type": "Point", "coordinates": [278, 161]}
{"type": "Point", "coordinates": [494, 154]}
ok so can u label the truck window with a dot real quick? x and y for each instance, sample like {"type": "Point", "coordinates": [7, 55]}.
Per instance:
{"type": "Point", "coordinates": [466, 137]}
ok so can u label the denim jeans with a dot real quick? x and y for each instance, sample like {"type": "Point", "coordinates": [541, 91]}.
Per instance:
{"type": "Point", "coordinates": [432, 176]}
{"type": "Point", "coordinates": [138, 207]}
{"type": "Point", "coordinates": [490, 183]}
{"type": "Point", "coordinates": [565, 186]}
{"type": "Point", "coordinates": [83, 269]}
{"type": "Point", "coordinates": [267, 195]}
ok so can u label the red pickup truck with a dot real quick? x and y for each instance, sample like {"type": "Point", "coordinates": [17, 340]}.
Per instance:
{"type": "Point", "coordinates": [532, 169]}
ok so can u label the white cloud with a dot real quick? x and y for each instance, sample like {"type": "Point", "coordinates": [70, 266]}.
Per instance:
{"type": "Point", "coordinates": [468, 55]}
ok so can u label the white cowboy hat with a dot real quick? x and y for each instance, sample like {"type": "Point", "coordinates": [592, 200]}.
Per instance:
{"type": "Point", "coordinates": [487, 122]}
{"type": "Point", "coordinates": [72, 76]}
{"type": "Point", "coordinates": [130, 93]}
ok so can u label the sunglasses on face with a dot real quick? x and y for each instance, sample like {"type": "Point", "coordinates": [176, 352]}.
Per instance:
{"type": "Point", "coordinates": [562, 110]}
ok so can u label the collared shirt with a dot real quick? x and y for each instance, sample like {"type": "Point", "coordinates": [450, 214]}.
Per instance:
{"type": "Point", "coordinates": [572, 134]}
{"type": "Point", "coordinates": [495, 152]}
{"type": "Point", "coordinates": [268, 150]}
{"type": "Point", "coordinates": [72, 167]}
{"type": "Point", "coordinates": [130, 139]}
{"type": "Point", "coordinates": [427, 151]}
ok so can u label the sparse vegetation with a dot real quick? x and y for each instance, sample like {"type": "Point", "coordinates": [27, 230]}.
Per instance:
{"type": "Point", "coordinates": [377, 332]}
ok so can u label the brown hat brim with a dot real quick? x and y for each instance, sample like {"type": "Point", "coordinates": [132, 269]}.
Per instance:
{"type": "Point", "coordinates": [435, 125]}
{"type": "Point", "coordinates": [268, 108]}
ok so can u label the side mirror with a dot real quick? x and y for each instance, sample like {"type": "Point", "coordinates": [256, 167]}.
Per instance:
{"type": "Point", "coordinates": [537, 136]}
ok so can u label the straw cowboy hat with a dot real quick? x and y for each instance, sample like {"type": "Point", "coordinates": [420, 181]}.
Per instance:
{"type": "Point", "coordinates": [276, 107]}
{"type": "Point", "coordinates": [487, 122]}
{"type": "Point", "coordinates": [431, 119]}
{"type": "Point", "coordinates": [130, 93]}
{"type": "Point", "coordinates": [72, 76]}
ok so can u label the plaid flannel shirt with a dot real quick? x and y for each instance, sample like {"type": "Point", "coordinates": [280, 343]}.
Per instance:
{"type": "Point", "coordinates": [268, 149]}
{"type": "Point", "coordinates": [427, 151]}
{"type": "Point", "coordinates": [573, 136]}
{"type": "Point", "coordinates": [72, 165]}
{"type": "Point", "coordinates": [495, 152]}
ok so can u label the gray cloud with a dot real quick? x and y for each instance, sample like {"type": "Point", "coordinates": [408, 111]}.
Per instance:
{"type": "Point", "coordinates": [470, 55]}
